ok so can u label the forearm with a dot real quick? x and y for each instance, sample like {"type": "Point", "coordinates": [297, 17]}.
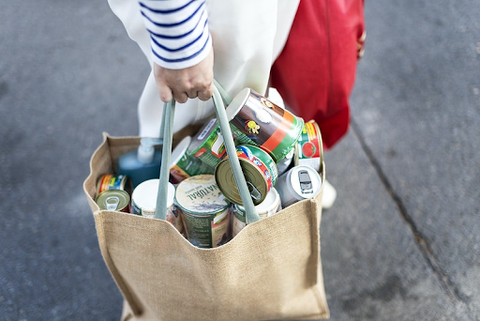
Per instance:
{"type": "Point", "coordinates": [178, 30]}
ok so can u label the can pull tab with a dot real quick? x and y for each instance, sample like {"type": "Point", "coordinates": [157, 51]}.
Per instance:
{"type": "Point", "coordinates": [254, 192]}
{"type": "Point", "coordinates": [111, 203]}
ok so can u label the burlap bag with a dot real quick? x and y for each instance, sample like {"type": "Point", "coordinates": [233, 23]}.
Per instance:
{"type": "Point", "coordinates": [270, 271]}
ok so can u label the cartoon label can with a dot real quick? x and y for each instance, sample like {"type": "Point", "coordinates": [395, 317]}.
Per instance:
{"type": "Point", "coordinates": [110, 181]}
{"type": "Point", "coordinates": [208, 144]}
{"type": "Point", "coordinates": [183, 165]}
{"type": "Point", "coordinates": [309, 148]}
{"type": "Point", "coordinates": [205, 211]}
{"type": "Point", "coordinates": [299, 183]}
{"type": "Point", "coordinates": [144, 201]}
{"type": "Point", "coordinates": [260, 173]}
{"type": "Point", "coordinates": [268, 207]}
{"type": "Point", "coordinates": [257, 121]}
{"type": "Point", "coordinates": [114, 200]}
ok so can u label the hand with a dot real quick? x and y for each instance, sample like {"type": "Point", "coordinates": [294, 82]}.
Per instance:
{"type": "Point", "coordinates": [181, 84]}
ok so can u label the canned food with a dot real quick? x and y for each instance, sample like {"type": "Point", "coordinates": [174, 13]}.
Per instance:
{"type": "Point", "coordinates": [183, 165]}
{"type": "Point", "coordinates": [260, 173]}
{"type": "Point", "coordinates": [285, 163]}
{"type": "Point", "coordinates": [109, 181]}
{"type": "Point", "coordinates": [208, 144]}
{"type": "Point", "coordinates": [144, 201]}
{"type": "Point", "coordinates": [114, 200]}
{"type": "Point", "coordinates": [268, 207]}
{"type": "Point", "coordinates": [299, 183]}
{"type": "Point", "coordinates": [205, 211]}
{"type": "Point", "coordinates": [256, 120]}
{"type": "Point", "coordinates": [309, 149]}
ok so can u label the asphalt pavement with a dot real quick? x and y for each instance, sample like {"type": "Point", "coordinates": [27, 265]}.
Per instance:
{"type": "Point", "coordinates": [402, 242]}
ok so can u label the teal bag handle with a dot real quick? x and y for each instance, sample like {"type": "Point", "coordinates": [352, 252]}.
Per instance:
{"type": "Point", "coordinates": [167, 126]}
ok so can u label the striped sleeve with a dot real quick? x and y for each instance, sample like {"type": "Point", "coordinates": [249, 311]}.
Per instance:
{"type": "Point", "coordinates": [179, 34]}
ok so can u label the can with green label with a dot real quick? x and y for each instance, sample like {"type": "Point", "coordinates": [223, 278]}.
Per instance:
{"type": "Point", "coordinates": [208, 144]}
{"type": "Point", "coordinates": [260, 173]}
{"type": "Point", "coordinates": [183, 165]}
{"type": "Point", "coordinates": [257, 121]}
{"type": "Point", "coordinates": [205, 211]}
{"type": "Point", "coordinates": [309, 148]}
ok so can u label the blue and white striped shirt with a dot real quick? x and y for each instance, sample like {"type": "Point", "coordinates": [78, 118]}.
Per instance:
{"type": "Point", "coordinates": [179, 34]}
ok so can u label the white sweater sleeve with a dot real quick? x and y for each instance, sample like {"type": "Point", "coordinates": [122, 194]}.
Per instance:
{"type": "Point", "coordinates": [179, 34]}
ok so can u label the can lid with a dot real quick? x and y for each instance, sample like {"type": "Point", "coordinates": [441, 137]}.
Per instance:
{"type": "Point", "coordinates": [202, 135]}
{"type": "Point", "coordinates": [144, 196]}
{"type": "Point", "coordinates": [200, 195]}
{"type": "Point", "coordinates": [179, 150]}
{"type": "Point", "coordinates": [113, 200]}
{"type": "Point", "coordinates": [266, 159]}
{"type": "Point", "coordinates": [256, 181]}
{"type": "Point", "coordinates": [305, 181]}
{"type": "Point", "coordinates": [237, 103]}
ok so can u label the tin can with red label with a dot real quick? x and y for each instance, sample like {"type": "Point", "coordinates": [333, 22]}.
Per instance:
{"type": "Point", "coordinates": [109, 181]}
{"type": "Point", "coordinates": [309, 149]}
{"type": "Point", "coordinates": [260, 173]}
{"type": "Point", "coordinates": [257, 121]}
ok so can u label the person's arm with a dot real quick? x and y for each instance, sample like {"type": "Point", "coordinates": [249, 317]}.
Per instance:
{"type": "Point", "coordinates": [181, 48]}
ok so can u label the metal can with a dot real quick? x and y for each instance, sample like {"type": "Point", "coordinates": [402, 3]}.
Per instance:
{"type": "Point", "coordinates": [114, 200]}
{"type": "Point", "coordinates": [268, 207]}
{"type": "Point", "coordinates": [183, 165]}
{"type": "Point", "coordinates": [309, 148]}
{"type": "Point", "coordinates": [144, 201]}
{"type": "Point", "coordinates": [205, 211]}
{"type": "Point", "coordinates": [260, 173]}
{"type": "Point", "coordinates": [285, 163]}
{"type": "Point", "coordinates": [208, 144]}
{"type": "Point", "coordinates": [257, 121]}
{"type": "Point", "coordinates": [109, 181]}
{"type": "Point", "coordinates": [299, 183]}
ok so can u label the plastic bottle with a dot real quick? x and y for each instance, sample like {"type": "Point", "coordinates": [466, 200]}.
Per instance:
{"type": "Point", "coordinates": [141, 164]}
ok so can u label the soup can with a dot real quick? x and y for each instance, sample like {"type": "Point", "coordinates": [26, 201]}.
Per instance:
{"type": "Point", "coordinates": [260, 173]}
{"type": "Point", "coordinates": [109, 181]}
{"type": "Point", "coordinates": [268, 207]}
{"type": "Point", "coordinates": [309, 148]}
{"type": "Point", "coordinates": [257, 121]}
{"type": "Point", "coordinates": [208, 144]}
{"type": "Point", "coordinates": [144, 201]}
{"type": "Point", "coordinates": [205, 211]}
{"type": "Point", "coordinates": [183, 165]}
{"type": "Point", "coordinates": [114, 200]}
{"type": "Point", "coordinates": [299, 183]}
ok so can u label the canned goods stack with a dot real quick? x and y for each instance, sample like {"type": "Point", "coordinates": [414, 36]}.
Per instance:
{"type": "Point", "coordinates": [280, 155]}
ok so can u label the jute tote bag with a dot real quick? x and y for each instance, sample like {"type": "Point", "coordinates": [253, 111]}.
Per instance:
{"type": "Point", "coordinates": [270, 271]}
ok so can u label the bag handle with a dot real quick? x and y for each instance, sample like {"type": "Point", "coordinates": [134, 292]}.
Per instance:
{"type": "Point", "coordinates": [167, 126]}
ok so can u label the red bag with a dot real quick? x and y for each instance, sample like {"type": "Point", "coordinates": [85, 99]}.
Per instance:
{"type": "Point", "coordinates": [315, 72]}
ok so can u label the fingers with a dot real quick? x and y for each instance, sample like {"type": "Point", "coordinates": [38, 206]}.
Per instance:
{"type": "Point", "coordinates": [167, 94]}
{"type": "Point", "coordinates": [182, 84]}
{"type": "Point", "coordinates": [206, 94]}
